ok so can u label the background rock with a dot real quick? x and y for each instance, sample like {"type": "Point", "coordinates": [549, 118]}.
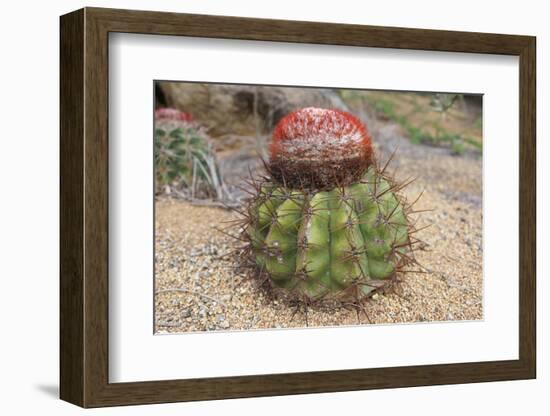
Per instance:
{"type": "Point", "coordinates": [232, 109]}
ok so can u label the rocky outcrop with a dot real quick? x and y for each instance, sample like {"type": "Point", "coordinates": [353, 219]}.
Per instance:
{"type": "Point", "coordinates": [241, 109]}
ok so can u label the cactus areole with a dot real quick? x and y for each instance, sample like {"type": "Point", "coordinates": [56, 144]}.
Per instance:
{"type": "Point", "coordinates": [326, 222]}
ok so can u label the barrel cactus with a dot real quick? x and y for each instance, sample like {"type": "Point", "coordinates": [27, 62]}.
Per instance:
{"type": "Point", "coordinates": [184, 158]}
{"type": "Point", "coordinates": [326, 222]}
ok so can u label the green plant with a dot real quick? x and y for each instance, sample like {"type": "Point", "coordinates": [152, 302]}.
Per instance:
{"type": "Point", "coordinates": [185, 161]}
{"type": "Point", "coordinates": [326, 222]}
{"type": "Point", "coordinates": [417, 135]}
{"type": "Point", "coordinates": [442, 102]}
{"type": "Point", "coordinates": [457, 145]}
{"type": "Point", "coordinates": [478, 123]}
{"type": "Point", "coordinates": [425, 132]}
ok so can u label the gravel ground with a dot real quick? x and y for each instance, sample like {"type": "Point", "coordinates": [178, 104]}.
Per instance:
{"type": "Point", "coordinates": [197, 289]}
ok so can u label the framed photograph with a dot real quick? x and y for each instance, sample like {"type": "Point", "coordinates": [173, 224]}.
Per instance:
{"type": "Point", "coordinates": [257, 207]}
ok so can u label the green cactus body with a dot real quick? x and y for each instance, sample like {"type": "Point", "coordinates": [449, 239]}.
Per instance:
{"type": "Point", "coordinates": [337, 242]}
{"type": "Point", "coordinates": [184, 159]}
{"type": "Point", "coordinates": [179, 153]}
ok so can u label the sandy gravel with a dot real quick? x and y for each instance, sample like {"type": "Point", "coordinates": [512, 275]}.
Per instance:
{"type": "Point", "coordinates": [197, 289]}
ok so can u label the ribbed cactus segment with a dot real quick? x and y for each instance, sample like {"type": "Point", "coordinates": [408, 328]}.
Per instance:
{"type": "Point", "coordinates": [336, 243]}
{"type": "Point", "coordinates": [186, 161]}
{"type": "Point", "coordinates": [181, 154]}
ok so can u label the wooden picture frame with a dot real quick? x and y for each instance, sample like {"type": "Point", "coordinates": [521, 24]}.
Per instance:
{"type": "Point", "coordinates": [84, 207]}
